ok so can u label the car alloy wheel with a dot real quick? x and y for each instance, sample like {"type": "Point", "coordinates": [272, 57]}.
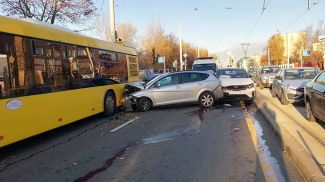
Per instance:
{"type": "Point", "coordinates": [309, 112]}
{"type": "Point", "coordinates": [144, 104]}
{"type": "Point", "coordinates": [206, 99]}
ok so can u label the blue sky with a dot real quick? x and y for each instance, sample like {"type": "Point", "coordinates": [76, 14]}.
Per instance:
{"type": "Point", "coordinates": [213, 26]}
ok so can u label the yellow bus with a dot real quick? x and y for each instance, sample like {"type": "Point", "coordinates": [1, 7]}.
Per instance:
{"type": "Point", "coordinates": [50, 77]}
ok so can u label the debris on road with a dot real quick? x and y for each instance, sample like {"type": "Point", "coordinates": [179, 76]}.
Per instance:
{"type": "Point", "coordinates": [227, 105]}
{"type": "Point", "coordinates": [237, 129]}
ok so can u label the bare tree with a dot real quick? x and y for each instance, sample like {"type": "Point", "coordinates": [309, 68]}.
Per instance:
{"type": "Point", "coordinates": [127, 32]}
{"type": "Point", "coordinates": [63, 11]}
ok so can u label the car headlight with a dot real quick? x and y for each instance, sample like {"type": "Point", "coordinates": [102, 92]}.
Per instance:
{"type": "Point", "coordinates": [251, 85]}
{"type": "Point", "coordinates": [293, 87]}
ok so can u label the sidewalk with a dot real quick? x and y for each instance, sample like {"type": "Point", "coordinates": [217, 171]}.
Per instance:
{"type": "Point", "coordinates": [304, 141]}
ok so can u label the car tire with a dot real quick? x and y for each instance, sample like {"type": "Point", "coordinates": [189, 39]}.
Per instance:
{"type": "Point", "coordinates": [249, 102]}
{"type": "Point", "coordinates": [273, 92]}
{"type": "Point", "coordinates": [257, 83]}
{"type": "Point", "coordinates": [109, 104]}
{"type": "Point", "coordinates": [283, 99]}
{"type": "Point", "coordinates": [206, 100]}
{"type": "Point", "coordinates": [134, 107]}
{"type": "Point", "coordinates": [144, 104]}
{"type": "Point", "coordinates": [309, 113]}
{"type": "Point", "coordinates": [261, 86]}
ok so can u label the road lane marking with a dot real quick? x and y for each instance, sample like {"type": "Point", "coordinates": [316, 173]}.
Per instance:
{"type": "Point", "coordinates": [268, 169]}
{"type": "Point", "coordinates": [124, 124]}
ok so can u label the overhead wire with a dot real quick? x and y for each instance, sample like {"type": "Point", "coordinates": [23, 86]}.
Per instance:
{"type": "Point", "coordinates": [258, 19]}
{"type": "Point", "coordinates": [301, 15]}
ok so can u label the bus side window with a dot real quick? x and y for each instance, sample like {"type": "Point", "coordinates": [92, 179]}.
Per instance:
{"type": "Point", "coordinates": [15, 67]}
{"type": "Point", "coordinates": [122, 68]}
{"type": "Point", "coordinates": [106, 64]}
{"type": "Point", "coordinates": [81, 66]}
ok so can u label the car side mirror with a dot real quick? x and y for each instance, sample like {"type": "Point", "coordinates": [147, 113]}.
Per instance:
{"type": "Point", "coordinates": [157, 85]}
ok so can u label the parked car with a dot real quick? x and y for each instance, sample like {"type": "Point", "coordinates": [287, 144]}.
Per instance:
{"type": "Point", "coordinates": [147, 74]}
{"type": "Point", "coordinates": [252, 72]}
{"type": "Point", "coordinates": [289, 84]}
{"type": "Point", "coordinates": [237, 84]}
{"type": "Point", "coordinates": [177, 87]}
{"type": "Point", "coordinates": [315, 98]}
{"type": "Point", "coordinates": [266, 75]}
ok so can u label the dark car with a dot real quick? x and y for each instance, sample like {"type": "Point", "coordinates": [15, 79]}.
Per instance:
{"type": "Point", "coordinates": [315, 98]}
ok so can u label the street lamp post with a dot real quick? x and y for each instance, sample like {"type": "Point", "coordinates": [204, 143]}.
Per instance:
{"type": "Point", "coordinates": [180, 44]}
{"type": "Point", "coordinates": [180, 48]}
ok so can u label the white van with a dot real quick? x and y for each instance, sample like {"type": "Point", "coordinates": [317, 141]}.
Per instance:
{"type": "Point", "coordinates": [205, 64]}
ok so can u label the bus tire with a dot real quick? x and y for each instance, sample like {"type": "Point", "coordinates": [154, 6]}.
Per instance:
{"type": "Point", "coordinates": [109, 104]}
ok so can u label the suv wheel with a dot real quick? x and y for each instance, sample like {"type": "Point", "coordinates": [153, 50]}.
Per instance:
{"type": "Point", "coordinates": [309, 113]}
{"type": "Point", "coordinates": [206, 99]}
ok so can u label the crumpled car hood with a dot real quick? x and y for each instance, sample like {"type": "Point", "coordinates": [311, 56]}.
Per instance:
{"type": "Point", "coordinates": [297, 83]}
{"type": "Point", "coordinates": [225, 82]}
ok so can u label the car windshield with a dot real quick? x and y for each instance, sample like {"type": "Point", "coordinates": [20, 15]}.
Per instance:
{"type": "Point", "coordinates": [233, 73]}
{"type": "Point", "coordinates": [270, 70]}
{"type": "Point", "coordinates": [204, 67]}
{"type": "Point", "coordinates": [299, 74]}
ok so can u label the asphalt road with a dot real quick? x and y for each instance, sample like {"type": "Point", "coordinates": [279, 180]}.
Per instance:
{"type": "Point", "coordinates": [178, 143]}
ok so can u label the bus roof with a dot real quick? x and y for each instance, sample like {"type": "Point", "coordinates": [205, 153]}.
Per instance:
{"type": "Point", "coordinates": [53, 33]}
{"type": "Point", "coordinates": [205, 61]}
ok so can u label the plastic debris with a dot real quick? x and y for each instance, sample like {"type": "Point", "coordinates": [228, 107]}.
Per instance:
{"type": "Point", "coordinates": [227, 105]}
{"type": "Point", "coordinates": [234, 116]}
{"type": "Point", "coordinates": [237, 129]}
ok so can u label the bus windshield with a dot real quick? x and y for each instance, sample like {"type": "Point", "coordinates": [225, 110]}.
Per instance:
{"type": "Point", "coordinates": [205, 67]}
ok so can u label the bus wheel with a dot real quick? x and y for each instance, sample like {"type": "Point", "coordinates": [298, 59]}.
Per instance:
{"type": "Point", "coordinates": [109, 104]}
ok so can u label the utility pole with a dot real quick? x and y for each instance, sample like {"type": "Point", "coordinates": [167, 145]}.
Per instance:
{"type": "Point", "coordinates": [180, 48]}
{"type": "Point", "coordinates": [287, 42]}
{"type": "Point", "coordinates": [245, 48]}
{"type": "Point", "coordinates": [268, 55]}
{"type": "Point", "coordinates": [301, 58]}
{"type": "Point", "coordinates": [112, 21]}
{"type": "Point", "coordinates": [198, 51]}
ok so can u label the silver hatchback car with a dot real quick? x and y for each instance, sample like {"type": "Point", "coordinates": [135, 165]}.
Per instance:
{"type": "Point", "coordinates": [177, 87]}
{"type": "Point", "coordinates": [289, 84]}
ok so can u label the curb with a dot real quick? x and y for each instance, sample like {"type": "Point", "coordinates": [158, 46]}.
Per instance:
{"type": "Point", "coordinates": [304, 162]}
